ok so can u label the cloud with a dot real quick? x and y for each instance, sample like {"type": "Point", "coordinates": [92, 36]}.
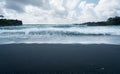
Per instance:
{"type": "Point", "coordinates": [71, 4]}
{"type": "Point", "coordinates": [108, 8]}
{"type": "Point", "coordinates": [59, 11]}
{"type": "Point", "coordinates": [19, 5]}
{"type": "Point", "coordinates": [87, 11]}
{"type": "Point", "coordinates": [103, 10]}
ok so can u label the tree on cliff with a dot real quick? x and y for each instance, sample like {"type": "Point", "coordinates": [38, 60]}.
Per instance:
{"type": "Point", "coordinates": [114, 21]}
{"type": "Point", "coordinates": [1, 16]}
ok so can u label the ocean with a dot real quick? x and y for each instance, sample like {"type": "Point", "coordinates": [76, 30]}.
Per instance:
{"type": "Point", "coordinates": [59, 34]}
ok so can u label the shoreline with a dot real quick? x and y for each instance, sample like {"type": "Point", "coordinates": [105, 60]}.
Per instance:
{"type": "Point", "coordinates": [95, 58]}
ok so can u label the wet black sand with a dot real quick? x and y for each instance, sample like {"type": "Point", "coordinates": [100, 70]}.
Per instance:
{"type": "Point", "coordinates": [75, 58]}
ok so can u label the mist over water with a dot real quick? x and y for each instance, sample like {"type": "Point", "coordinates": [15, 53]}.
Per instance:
{"type": "Point", "coordinates": [60, 34]}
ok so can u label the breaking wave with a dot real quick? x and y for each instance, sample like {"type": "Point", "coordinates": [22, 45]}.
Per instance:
{"type": "Point", "coordinates": [62, 33]}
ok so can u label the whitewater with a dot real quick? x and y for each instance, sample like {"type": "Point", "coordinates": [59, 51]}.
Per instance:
{"type": "Point", "coordinates": [59, 34]}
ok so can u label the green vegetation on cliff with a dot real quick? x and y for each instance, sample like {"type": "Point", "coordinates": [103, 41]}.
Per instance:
{"type": "Point", "coordinates": [110, 21]}
{"type": "Point", "coordinates": [9, 22]}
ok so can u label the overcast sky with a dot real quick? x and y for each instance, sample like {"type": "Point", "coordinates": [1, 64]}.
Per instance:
{"type": "Point", "coordinates": [59, 11]}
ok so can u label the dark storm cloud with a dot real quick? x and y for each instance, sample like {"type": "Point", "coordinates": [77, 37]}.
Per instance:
{"type": "Point", "coordinates": [1, 11]}
{"type": "Point", "coordinates": [19, 5]}
{"type": "Point", "coordinates": [60, 14]}
{"type": "Point", "coordinates": [1, 6]}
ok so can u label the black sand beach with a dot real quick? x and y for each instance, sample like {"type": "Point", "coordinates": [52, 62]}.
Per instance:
{"type": "Point", "coordinates": [34, 58]}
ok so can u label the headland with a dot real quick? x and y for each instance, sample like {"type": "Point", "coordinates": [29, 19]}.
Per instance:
{"type": "Point", "coordinates": [10, 22]}
{"type": "Point", "coordinates": [110, 21]}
